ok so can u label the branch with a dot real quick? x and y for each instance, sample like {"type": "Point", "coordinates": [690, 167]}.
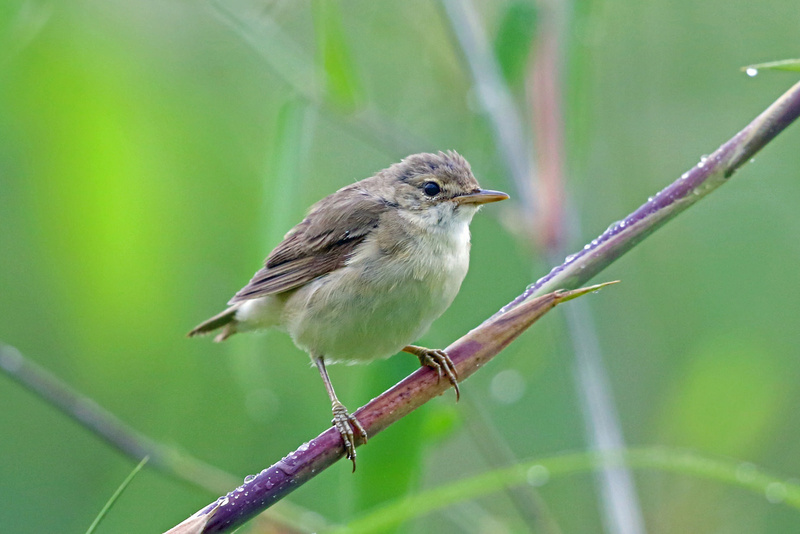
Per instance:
{"type": "Point", "coordinates": [108, 426]}
{"type": "Point", "coordinates": [473, 350]}
{"type": "Point", "coordinates": [125, 438]}
{"type": "Point", "coordinates": [506, 120]}
{"type": "Point", "coordinates": [557, 225]}
{"type": "Point", "coordinates": [469, 353]}
{"type": "Point", "coordinates": [710, 173]}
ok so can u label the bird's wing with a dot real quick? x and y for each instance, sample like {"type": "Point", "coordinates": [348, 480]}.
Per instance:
{"type": "Point", "coordinates": [322, 242]}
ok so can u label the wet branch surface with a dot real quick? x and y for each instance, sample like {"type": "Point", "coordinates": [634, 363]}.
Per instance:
{"type": "Point", "coordinates": [474, 349]}
{"type": "Point", "coordinates": [469, 353]}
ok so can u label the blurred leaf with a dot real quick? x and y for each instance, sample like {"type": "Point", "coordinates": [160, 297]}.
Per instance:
{"type": "Point", "coordinates": [290, 154]}
{"type": "Point", "coordinates": [784, 64]}
{"type": "Point", "coordinates": [386, 475]}
{"type": "Point", "coordinates": [541, 471]}
{"type": "Point", "coordinates": [513, 42]}
{"type": "Point", "coordinates": [343, 86]}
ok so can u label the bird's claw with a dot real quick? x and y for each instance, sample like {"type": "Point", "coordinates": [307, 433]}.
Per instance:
{"type": "Point", "coordinates": [349, 428]}
{"type": "Point", "coordinates": [439, 361]}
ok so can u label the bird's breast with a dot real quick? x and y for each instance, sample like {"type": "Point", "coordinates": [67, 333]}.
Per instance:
{"type": "Point", "coordinates": [381, 300]}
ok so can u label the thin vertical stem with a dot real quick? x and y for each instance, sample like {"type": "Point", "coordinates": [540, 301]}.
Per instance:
{"type": "Point", "coordinates": [557, 225]}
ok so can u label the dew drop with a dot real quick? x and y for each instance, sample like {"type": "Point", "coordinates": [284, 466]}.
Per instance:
{"type": "Point", "coordinates": [751, 71]}
{"type": "Point", "coordinates": [507, 386]}
{"type": "Point", "coordinates": [249, 478]}
{"type": "Point", "coordinates": [538, 475]}
{"type": "Point", "coordinates": [775, 492]}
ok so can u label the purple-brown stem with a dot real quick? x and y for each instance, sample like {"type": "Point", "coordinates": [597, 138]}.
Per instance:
{"type": "Point", "coordinates": [474, 349]}
{"type": "Point", "coordinates": [556, 226]}
{"type": "Point", "coordinates": [468, 353]}
{"type": "Point", "coordinates": [711, 172]}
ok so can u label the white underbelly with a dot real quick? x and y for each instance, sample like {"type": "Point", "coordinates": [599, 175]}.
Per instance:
{"type": "Point", "coordinates": [371, 310]}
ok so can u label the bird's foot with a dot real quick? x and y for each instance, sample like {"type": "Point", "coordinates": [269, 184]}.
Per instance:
{"type": "Point", "coordinates": [439, 361]}
{"type": "Point", "coordinates": [349, 428]}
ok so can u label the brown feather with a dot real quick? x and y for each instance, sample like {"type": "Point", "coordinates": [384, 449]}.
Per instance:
{"type": "Point", "coordinates": [321, 243]}
{"type": "Point", "coordinates": [218, 321]}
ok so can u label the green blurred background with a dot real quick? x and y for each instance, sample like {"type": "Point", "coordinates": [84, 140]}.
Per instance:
{"type": "Point", "coordinates": [152, 153]}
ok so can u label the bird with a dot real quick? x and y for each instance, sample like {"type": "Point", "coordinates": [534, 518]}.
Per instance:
{"type": "Point", "coordinates": [366, 272]}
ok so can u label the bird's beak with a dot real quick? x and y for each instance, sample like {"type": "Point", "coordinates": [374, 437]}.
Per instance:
{"type": "Point", "coordinates": [481, 196]}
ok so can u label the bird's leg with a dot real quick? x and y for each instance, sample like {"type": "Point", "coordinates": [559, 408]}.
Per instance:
{"type": "Point", "coordinates": [439, 361]}
{"type": "Point", "coordinates": [347, 425]}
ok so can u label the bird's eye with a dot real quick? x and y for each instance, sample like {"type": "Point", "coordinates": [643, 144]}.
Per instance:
{"type": "Point", "coordinates": [431, 189]}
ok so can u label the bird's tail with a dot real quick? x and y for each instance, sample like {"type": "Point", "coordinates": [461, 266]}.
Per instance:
{"type": "Point", "coordinates": [225, 320]}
